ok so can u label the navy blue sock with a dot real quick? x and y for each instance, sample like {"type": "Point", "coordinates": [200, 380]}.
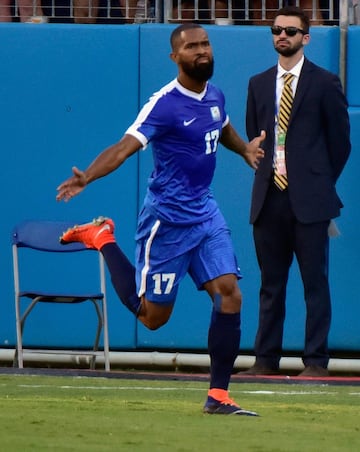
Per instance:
{"type": "Point", "coordinates": [223, 345]}
{"type": "Point", "coordinates": [122, 274]}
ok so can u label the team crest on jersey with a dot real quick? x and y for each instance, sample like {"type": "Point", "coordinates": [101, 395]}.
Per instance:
{"type": "Point", "coordinates": [215, 113]}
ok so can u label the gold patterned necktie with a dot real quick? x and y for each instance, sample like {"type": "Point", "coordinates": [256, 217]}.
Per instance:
{"type": "Point", "coordinates": [285, 106]}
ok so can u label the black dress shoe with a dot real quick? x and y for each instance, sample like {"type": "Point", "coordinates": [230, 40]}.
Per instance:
{"type": "Point", "coordinates": [258, 369]}
{"type": "Point", "coordinates": [314, 371]}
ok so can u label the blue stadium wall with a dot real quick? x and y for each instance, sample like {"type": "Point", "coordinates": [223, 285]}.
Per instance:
{"type": "Point", "coordinates": [68, 91]}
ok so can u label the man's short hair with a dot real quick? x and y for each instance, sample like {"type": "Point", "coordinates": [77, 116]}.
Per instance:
{"type": "Point", "coordinates": [175, 35]}
{"type": "Point", "coordinates": [297, 12]}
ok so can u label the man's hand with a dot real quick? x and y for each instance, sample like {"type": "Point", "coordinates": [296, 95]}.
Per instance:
{"type": "Point", "coordinates": [254, 153]}
{"type": "Point", "coordinates": [72, 186]}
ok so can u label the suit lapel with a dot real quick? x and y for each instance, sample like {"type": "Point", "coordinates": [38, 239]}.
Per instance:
{"type": "Point", "coordinates": [302, 87]}
{"type": "Point", "coordinates": [270, 99]}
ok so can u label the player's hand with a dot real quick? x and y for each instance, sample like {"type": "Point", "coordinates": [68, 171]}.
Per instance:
{"type": "Point", "coordinates": [254, 153]}
{"type": "Point", "coordinates": [72, 186]}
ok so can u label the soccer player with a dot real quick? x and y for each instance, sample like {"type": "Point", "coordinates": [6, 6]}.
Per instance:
{"type": "Point", "coordinates": [180, 227]}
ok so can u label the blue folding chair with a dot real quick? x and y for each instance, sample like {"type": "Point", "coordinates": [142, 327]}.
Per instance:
{"type": "Point", "coordinates": [43, 237]}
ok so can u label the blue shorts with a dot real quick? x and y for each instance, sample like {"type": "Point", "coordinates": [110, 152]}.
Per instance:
{"type": "Point", "coordinates": [165, 253]}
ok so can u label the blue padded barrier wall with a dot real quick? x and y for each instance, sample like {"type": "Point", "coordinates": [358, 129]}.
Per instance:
{"type": "Point", "coordinates": [68, 91]}
{"type": "Point", "coordinates": [353, 66]}
{"type": "Point", "coordinates": [345, 252]}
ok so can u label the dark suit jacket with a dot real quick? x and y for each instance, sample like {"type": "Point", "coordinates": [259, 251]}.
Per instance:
{"type": "Point", "coordinates": [317, 141]}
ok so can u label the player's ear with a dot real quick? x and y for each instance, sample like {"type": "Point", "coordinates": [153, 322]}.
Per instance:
{"type": "Point", "coordinates": [173, 57]}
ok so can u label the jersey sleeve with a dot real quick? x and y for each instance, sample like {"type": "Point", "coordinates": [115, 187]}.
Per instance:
{"type": "Point", "coordinates": [153, 120]}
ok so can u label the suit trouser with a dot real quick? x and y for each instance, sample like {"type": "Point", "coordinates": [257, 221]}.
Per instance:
{"type": "Point", "coordinates": [278, 237]}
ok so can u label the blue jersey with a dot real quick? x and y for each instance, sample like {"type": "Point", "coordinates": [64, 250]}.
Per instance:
{"type": "Point", "coordinates": [184, 129]}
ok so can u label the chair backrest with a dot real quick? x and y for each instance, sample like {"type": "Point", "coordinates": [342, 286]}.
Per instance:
{"type": "Point", "coordinates": [44, 236]}
{"type": "Point", "coordinates": [55, 272]}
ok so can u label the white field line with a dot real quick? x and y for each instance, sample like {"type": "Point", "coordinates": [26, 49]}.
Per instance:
{"type": "Point", "coordinates": [149, 388]}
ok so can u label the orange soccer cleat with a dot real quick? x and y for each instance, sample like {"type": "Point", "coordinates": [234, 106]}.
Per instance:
{"type": "Point", "coordinates": [95, 234]}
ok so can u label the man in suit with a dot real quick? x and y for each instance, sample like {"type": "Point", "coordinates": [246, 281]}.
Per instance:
{"type": "Point", "coordinates": [308, 154]}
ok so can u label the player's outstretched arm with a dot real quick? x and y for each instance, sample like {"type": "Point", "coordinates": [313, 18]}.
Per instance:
{"type": "Point", "coordinates": [106, 162]}
{"type": "Point", "coordinates": [251, 152]}
{"type": "Point", "coordinates": [72, 186]}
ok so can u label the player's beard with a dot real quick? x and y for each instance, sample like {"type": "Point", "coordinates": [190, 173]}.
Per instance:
{"type": "Point", "coordinates": [289, 51]}
{"type": "Point", "coordinates": [200, 72]}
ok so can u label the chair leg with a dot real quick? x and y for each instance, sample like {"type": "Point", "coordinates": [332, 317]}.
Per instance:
{"type": "Point", "coordinates": [18, 357]}
{"type": "Point", "coordinates": [104, 312]}
{"type": "Point", "coordinates": [20, 324]}
{"type": "Point", "coordinates": [105, 336]}
{"type": "Point", "coordinates": [98, 333]}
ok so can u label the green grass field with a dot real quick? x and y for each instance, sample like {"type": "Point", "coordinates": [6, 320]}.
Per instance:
{"type": "Point", "coordinates": [41, 413]}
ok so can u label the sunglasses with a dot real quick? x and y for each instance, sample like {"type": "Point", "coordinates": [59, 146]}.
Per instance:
{"type": "Point", "coordinates": [290, 31]}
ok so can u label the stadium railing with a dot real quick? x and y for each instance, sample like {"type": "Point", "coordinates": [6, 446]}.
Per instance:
{"type": "Point", "coordinates": [237, 12]}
